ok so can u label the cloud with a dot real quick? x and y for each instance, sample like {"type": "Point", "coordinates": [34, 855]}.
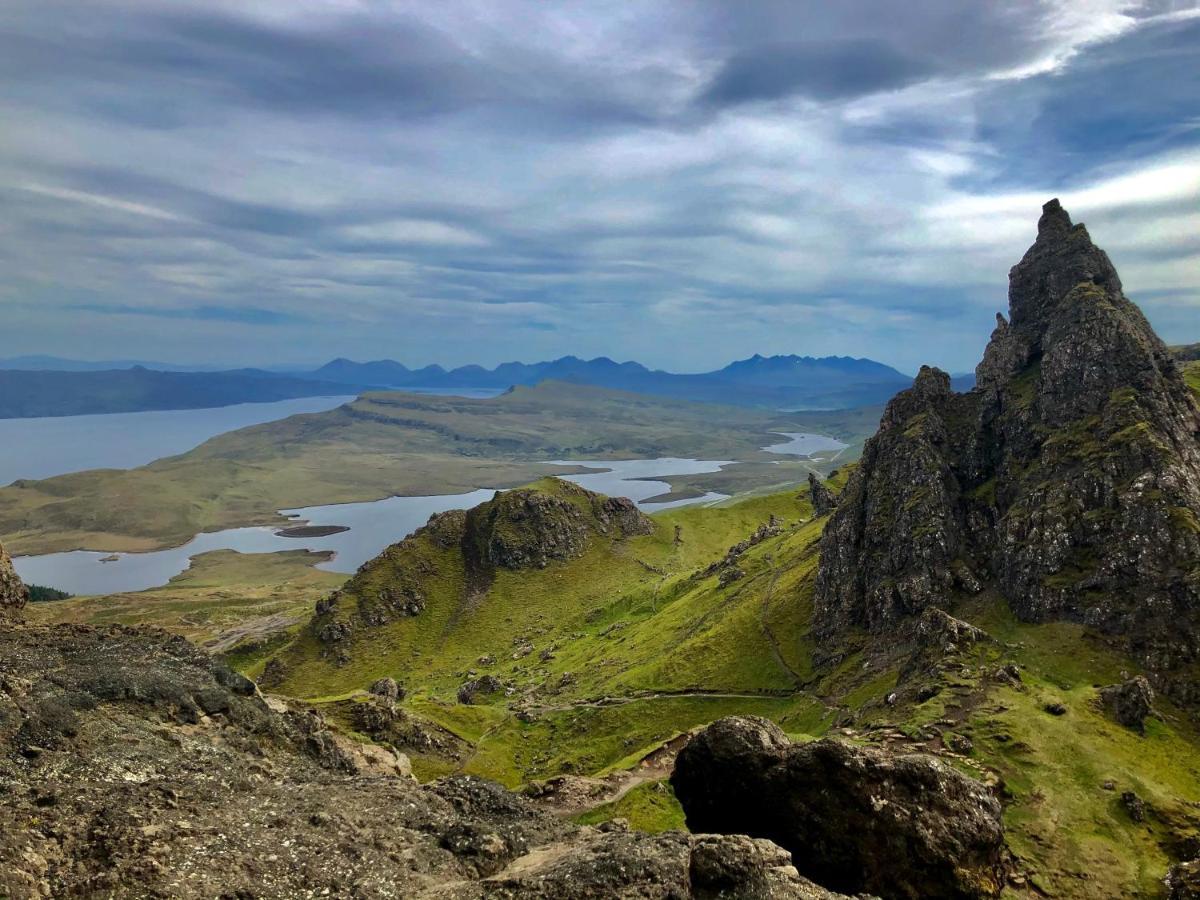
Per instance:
{"type": "Point", "coordinates": [241, 315]}
{"type": "Point", "coordinates": [827, 70]}
{"type": "Point", "coordinates": [679, 182]}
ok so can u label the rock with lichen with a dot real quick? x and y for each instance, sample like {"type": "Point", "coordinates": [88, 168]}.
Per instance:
{"type": "Point", "coordinates": [13, 593]}
{"type": "Point", "coordinates": [1130, 702]}
{"type": "Point", "coordinates": [1068, 478]}
{"type": "Point", "coordinates": [823, 499]}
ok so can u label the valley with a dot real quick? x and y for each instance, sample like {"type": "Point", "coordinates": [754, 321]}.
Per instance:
{"type": "Point", "coordinates": [380, 445]}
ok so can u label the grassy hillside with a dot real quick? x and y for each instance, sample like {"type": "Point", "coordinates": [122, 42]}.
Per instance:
{"type": "Point", "coordinates": [606, 657]}
{"type": "Point", "coordinates": [222, 600]}
{"type": "Point", "coordinates": [603, 659]}
{"type": "Point", "coordinates": [381, 445]}
{"type": "Point", "coordinates": [1191, 373]}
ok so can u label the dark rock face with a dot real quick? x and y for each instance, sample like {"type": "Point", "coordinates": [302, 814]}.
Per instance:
{"type": "Point", "coordinates": [1068, 478]}
{"type": "Point", "coordinates": [133, 765]}
{"type": "Point", "coordinates": [855, 819]}
{"type": "Point", "coordinates": [1183, 881]}
{"type": "Point", "coordinates": [823, 500]}
{"type": "Point", "coordinates": [1130, 703]}
{"type": "Point", "coordinates": [526, 529]}
{"type": "Point", "coordinates": [13, 594]}
{"type": "Point", "coordinates": [485, 685]}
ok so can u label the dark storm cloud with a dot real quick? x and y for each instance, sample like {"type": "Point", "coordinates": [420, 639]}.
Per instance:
{"type": "Point", "coordinates": [824, 71]}
{"type": "Point", "coordinates": [1129, 98]}
{"type": "Point", "coordinates": [575, 177]}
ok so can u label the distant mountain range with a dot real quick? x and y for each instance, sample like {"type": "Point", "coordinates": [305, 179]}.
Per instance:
{"type": "Point", "coordinates": [26, 394]}
{"type": "Point", "coordinates": [782, 382]}
{"type": "Point", "coordinates": [43, 363]}
{"type": "Point", "coordinates": [52, 386]}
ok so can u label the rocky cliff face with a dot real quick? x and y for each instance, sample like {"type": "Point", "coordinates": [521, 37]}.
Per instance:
{"type": "Point", "coordinates": [1068, 478]}
{"type": "Point", "coordinates": [13, 594]}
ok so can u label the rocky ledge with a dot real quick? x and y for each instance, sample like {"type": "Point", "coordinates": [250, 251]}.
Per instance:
{"type": "Point", "coordinates": [133, 765]}
{"type": "Point", "coordinates": [13, 594]}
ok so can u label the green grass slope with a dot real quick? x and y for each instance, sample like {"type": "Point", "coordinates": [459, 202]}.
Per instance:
{"type": "Point", "coordinates": [607, 656]}
{"type": "Point", "coordinates": [222, 601]}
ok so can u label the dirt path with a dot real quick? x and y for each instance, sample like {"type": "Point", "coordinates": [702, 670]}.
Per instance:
{"type": "Point", "coordinates": [573, 795]}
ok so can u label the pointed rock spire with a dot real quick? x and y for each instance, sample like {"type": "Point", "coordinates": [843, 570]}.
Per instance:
{"type": "Point", "coordinates": [1054, 220]}
{"type": "Point", "coordinates": [1069, 477]}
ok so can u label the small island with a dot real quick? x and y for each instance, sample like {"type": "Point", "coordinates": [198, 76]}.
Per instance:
{"type": "Point", "coordinates": [309, 531]}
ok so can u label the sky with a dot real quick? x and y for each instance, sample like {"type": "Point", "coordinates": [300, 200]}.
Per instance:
{"type": "Point", "coordinates": [680, 182]}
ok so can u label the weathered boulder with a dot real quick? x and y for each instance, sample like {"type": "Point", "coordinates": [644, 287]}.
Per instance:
{"type": "Point", "coordinates": [1130, 702]}
{"type": "Point", "coordinates": [1068, 477]}
{"type": "Point", "coordinates": [671, 866]}
{"type": "Point", "coordinates": [387, 688]}
{"type": "Point", "coordinates": [823, 499]}
{"type": "Point", "coordinates": [485, 685]}
{"type": "Point", "coordinates": [13, 593]}
{"type": "Point", "coordinates": [854, 819]}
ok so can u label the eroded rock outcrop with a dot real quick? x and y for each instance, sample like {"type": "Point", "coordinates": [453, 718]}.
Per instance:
{"type": "Point", "coordinates": [823, 499]}
{"type": "Point", "coordinates": [1183, 881]}
{"type": "Point", "coordinates": [526, 528]}
{"type": "Point", "coordinates": [1068, 478]}
{"type": "Point", "coordinates": [13, 593]}
{"type": "Point", "coordinates": [530, 528]}
{"type": "Point", "coordinates": [133, 764]}
{"type": "Point", "coordinates": [855, 819]}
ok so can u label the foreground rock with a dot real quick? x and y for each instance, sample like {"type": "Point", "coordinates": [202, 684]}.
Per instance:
{"type": "Point", "coordinates": [1068, 478]}
{"type": "Point", "coordinates": [13, 594]}
{"type": "Point", "coordinates": [855, 819]}
{"type": "Point", "coordinates": [133, 765]}
{"type": "Point", "coordinates": [1183, 881]}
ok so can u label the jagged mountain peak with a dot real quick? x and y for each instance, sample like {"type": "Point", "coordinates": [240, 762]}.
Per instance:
{"type": "Point", "coordinates": [1062, 259]}
{"type": "Point", "coordinates": [1068, 479]}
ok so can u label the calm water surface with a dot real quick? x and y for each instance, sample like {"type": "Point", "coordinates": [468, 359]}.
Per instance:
{"type": "Point", "coordinates": [372, 526]}
{"type": "Point", "coordinates": [41, 448]}
{"type": "Point", "coordinates": [798, 444]}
